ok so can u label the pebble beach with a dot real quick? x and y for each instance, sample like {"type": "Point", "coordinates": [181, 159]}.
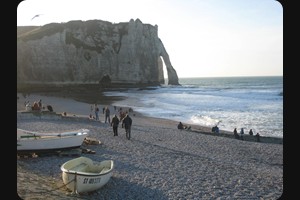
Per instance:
{"type": "Point", "coordinates": [158, 162]}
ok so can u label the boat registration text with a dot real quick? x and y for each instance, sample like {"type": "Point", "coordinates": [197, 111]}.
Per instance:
{"type": "Point", "coordinates": [91, 180]}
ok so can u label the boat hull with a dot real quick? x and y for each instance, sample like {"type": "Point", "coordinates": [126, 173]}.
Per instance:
{"type": "Point", "coordinates": [35, 142]}
{"type": "Point", "coordinates": [83, 175]}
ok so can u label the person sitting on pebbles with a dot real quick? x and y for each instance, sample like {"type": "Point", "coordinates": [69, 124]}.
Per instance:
{"type": "Point", "coordinates": [181, 126]}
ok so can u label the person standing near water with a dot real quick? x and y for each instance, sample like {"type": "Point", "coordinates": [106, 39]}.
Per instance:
{"type": "Point", "coordinates": [242, 133]}
{"type": "Point", "coordinates": [107, 115]}
{"type": "Point", "coordinates": [97, 112]}
{"type": "Point", "coordinates": [236, 135]}
{"type": "Point", "coordinates": [250, 132]}
{"type": "Point", "coordinates": [257, 137]}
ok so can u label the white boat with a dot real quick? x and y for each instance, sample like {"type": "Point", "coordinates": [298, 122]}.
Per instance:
{"type": "Point", "coordinates": [30, 141]}
{"type": "Point", "coordinates": [85, 175]}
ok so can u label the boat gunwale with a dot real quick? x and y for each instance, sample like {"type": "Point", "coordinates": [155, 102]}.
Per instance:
{"type": "Point", "coordinates": [88, 173]}
{"type": "Point", "coordinates": [77, 136]}
{"type": "Point", "coordinates": [54, 134]}
{"type": "Point", "coordinates": [49, 137]}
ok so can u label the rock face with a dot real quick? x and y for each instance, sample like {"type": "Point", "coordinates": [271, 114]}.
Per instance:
{"type": "Point", "coordinates": [85, 52]}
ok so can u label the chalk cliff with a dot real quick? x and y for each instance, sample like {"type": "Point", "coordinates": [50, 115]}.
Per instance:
{"type": "Point", "coordinates": [86, 51]}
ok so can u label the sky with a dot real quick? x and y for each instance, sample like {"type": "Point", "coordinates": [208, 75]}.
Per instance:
{"type": "Point", "coordinates": [204, 38]}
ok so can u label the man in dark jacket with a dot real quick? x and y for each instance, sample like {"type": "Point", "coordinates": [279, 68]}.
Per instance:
{"type": "Point", "coordinates": [127, 121]}
{"type": "Point", "coordinates": [115, 123]}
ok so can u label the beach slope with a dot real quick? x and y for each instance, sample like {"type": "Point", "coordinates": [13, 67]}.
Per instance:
{"type": "Point", "coordinates": [158, 162]}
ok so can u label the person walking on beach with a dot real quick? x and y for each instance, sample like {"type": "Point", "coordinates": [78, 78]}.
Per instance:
{"type": "Point", "coordinates": [107, 115]}
{"type": "Point", "coordinates": [115, 123]}
{"type": "Point", "coordinates": [127, 121]}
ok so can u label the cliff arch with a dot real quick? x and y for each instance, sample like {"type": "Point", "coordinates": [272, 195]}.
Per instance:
{"type": "Point", "coordinates": [83, 52]}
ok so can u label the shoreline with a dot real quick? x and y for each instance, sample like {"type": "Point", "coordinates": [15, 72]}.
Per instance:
{"type": "Point", "coordinates": [158, 162]}
{"type": "Point", "coordinates": [79, 104]}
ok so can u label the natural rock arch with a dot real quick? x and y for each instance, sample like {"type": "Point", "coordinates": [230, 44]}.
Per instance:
{"type": "Point", "coordinates": [81, 52]}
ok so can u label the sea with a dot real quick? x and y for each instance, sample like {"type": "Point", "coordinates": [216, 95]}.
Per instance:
{"type": "Point", "coordinates": [229, 102]}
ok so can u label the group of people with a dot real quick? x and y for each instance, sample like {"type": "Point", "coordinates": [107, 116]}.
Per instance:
{"type": "Point", "coordinates": [96, 110]}
{"type": "Point", "coordinates": [124, 118]}
{"type": "Point", "coordinates": [241, 135]}
{"type": "Point", "coordinates": [215, 129]}
{"type": "Point", "coordinates": [37, 106]}
{"type": "Point", "coordinates": [126, 122]}
{"type": "Point", "coordinates": [107, 113]}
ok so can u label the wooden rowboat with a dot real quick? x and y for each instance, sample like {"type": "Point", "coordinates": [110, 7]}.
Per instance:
{"type": "Point", "coordinates": [29, 141]}
{"type": "Point", "coordinates": [85, 175]}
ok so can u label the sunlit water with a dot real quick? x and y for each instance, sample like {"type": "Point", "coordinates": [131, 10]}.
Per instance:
{"type": "Point", "coordinates": [231, 102]}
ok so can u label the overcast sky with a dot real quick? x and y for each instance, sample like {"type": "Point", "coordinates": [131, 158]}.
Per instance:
{"type": "Point", "coordinates": [204, 38]}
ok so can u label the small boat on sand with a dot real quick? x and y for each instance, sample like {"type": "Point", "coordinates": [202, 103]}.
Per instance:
{"type": "Point", "coordinates": [35, 142]}
{"type": "Point", "coordinates": [85, 175]}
